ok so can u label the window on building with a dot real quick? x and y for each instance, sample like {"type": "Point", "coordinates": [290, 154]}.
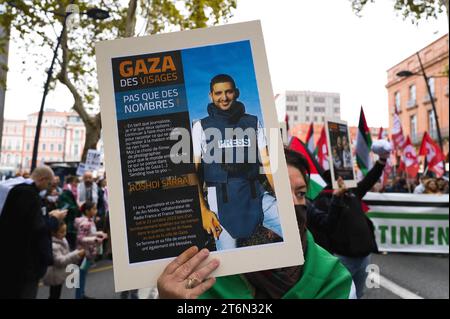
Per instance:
{"type": "Point", "coordinates": [307, 99]}
{"type": "Point", "coordinates": [77, 133]}
{"type": "Point", "coordinates": [336, 110]}
{"type": "Point", "coordinates": [413, 128]}
{"type": "Point", "coordinates": [28, 146]}
{"type": "Point", "coordinates": [59, 148]}
{"type": "Point", "coordinates": [52, 147]}
{"type": "Point", "coordinates": [18, 146]}
{"type": "Point", "coordinates": [323, 118]}
{"type": "Point", "coordinates": [432, 88]}
{"type": "Point", "coordinates": [295, 118]}
{"type": "Point", "coordinates": [397, 101]}
{"type": "Point", "coordinates": [43, 147]}
{"type": "Point", "coordinates": [319, 99]}
{"type": "Point", "coordinates": [8, 158]}
{"type": "Point", "coordinates": [412, 95]}
{"type": "Point", "coordinates": [319, 109]}
{"type": "Point", "coordinates": [307, 109]}
{"type": "Point", "coordinates": [336, 100]}
{"type": "Point", "coordinates": [75, 149]}
{"type": "Point", "coordinates": [432, 125]}
{"type": "Point", "coordinates": [315, 118]}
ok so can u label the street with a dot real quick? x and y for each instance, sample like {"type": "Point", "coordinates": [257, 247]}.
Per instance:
{"type": "Point", "coordinates": [403, 275]}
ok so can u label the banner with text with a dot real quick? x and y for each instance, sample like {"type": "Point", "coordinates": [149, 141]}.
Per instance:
{"type": "Point", "coordinates": [410, 222]}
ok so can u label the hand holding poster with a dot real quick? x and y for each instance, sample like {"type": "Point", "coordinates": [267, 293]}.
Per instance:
{"type": "Point", "coordinates": [340, 153]}
{"type": "Point", "coordinates": [184, 116]}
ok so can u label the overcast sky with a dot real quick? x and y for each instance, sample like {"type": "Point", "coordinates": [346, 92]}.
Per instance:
{"type": "Point", "coordinates": [318, 45]}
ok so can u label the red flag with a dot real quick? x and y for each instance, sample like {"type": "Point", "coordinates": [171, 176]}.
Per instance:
{"type": "Point", "coordinates": [387, 171]}
{"type": "Point", "coordinates": [310, 138]}
{"type": "Point", "coordinates": [434, 155]}
{"type": "Point", "coordinates": [409, 158]}
{"type": "Point", "coordinates": [321, 150]}
{"type": "Point", "coordinates": [397, 132]}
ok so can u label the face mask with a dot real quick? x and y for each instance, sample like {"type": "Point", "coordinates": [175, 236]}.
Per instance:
{"type": "Point", "coordinates": [300, 212]}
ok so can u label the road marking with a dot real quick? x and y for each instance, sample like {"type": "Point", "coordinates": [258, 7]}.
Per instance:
{"type": "Point", "coordinates": [100, 269]}
{"type": "Point", "coordinates": [394, 288]}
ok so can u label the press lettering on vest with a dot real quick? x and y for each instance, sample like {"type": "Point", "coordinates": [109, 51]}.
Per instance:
{"type": "Point", "coordinates": [233, 143]}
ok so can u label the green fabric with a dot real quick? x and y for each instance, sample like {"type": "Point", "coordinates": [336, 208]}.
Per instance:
{"type": "Point", "coordinates": [324, 277]}
{"type": "Point", "coordinates": [66, 199]}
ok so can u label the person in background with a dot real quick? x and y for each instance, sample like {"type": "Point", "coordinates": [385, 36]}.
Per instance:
{"type": "Point", "coordinates": [88, 239]}
{"type": "Point", "coordinates": [338, 221]}
{"type": "Point", "coordinates": [87, 190]}
{"type": "Point", "coordinates": [431, 187]}
{"type": "Point", "coordinates": [67, 200]}
{"type": "Point", "coordinates": [442, 185]}
{"type": "Point", "coordinates": [25, 234]}
{"type": "Point", "coordinates": [62, 257]}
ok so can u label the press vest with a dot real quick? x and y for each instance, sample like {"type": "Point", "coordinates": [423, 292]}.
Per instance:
{"type": "Point", "coordinates": [231, 165]}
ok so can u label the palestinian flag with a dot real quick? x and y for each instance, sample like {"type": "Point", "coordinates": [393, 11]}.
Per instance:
{"type": "Point", "coordinates": [316, 182]}
{"type": "Point", "coordinates": [310, 138]}
{"type": "Point", "coordinates": [363, 145]}
{"type": "Point", "coordinates": [321, 151]}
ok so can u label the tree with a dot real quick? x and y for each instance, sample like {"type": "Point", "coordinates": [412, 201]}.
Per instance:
{"type": "Point", "coordinates": [35, 22]}
{"type": "Point", "coordinates": [415, 10]}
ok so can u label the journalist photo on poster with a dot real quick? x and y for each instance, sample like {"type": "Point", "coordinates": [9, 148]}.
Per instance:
{"type": "Point", "coordinates": [189, 121]}
{"type": "Point", "coordinates": [340, 153]}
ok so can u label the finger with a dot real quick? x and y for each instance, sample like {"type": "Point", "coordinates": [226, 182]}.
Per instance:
{"type": "Point", "coordinates": [202, 288]}
{"type": "Point", "coordinates": [188, 267]}
{"type": "Point", "coordinates": [204, 272]}
{"type": "Point", "coordinates": [180, 260]}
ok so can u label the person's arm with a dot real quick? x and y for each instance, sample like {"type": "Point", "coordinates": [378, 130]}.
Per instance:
{"type": "Point", "coordinates": [210, 221]}
{"type": "Point", "coordinates": [370, 179]}
{"type": "Point", "coordinates": [60, 260]}
{"type": "Point", "coordinates": [325, 217]}
{"type": "Point", "coordinates": [264, 154]}
{"type": "Point", "coordinates": [209, 218]}
{"type": "Point", "coordinates": [266, 166]}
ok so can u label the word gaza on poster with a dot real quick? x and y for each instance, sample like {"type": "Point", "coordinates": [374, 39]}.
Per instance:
{"type": "Point", "coordinates": [193, 153]}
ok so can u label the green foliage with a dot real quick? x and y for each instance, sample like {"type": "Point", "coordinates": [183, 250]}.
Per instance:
{"type": "Point", "coordinates": [414, 10]}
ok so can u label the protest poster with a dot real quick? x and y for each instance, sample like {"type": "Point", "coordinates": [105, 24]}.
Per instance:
{"type": "Point", "coordinates": [93, 160]}
{"type": "Point", "coordinates": [81, 169]}
{"type": "Point", "coordinates": [175, 109]}
{"type": "Point", "coordinates": [340, 153]}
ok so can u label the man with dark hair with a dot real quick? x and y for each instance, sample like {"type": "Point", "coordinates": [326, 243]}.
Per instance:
{"type": "Point", "coordinates": [227, 145]}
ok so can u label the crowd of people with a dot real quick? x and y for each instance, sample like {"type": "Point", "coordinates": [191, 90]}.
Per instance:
{"type": "Point", "coordinates": [60, 224]}
{"type": "Point", "coordinates": [337, 238]}
{"type": "Point", "coordinates": [424, 184]}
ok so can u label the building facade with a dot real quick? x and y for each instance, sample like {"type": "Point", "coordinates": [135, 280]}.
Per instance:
{"type": "Point", "coordinates": [307, 106]}
{"type": "Point", "coordinates": [409, 95]}
{"type": "Point", "coordinates": [301, 130]}
{"type": "Point", "coordinates": [61, 139]}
